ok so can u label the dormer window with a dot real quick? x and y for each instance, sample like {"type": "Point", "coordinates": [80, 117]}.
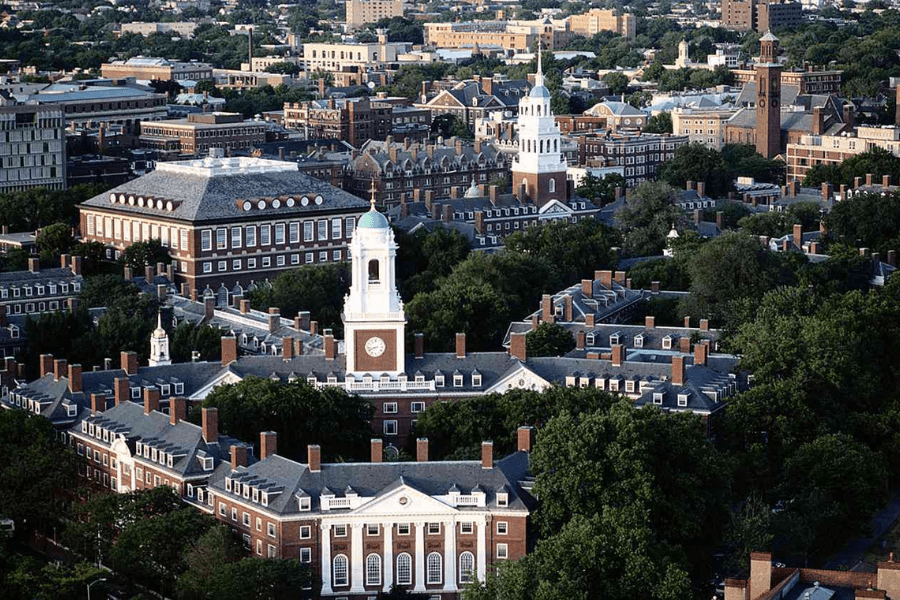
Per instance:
{"type": "Point", "coordinates": [476, 380]}
{"type": "Point", "coordinates": [439, 380]}
{"type": "Point", "coordinates": [264, 498]}
{"type": "Point", "coordinates": [179, 388]}
{"type": "Point", "coordinates": [457, 381]}
{"type": "Point", "coordinates": [237, 488]}
{"type": "Point", "coordinates": [639, 340]}
{"type": "Point", "coordinates": [305, 503]}
{"type": "Point", "coordinates": [629, 386]}
{"type": "Point", "coordinates": [589, 339]}
{"type": "Point", "coordinates": [657, 398]}
{"type": "Point", "coordinates": [667, 342]}
{"type": "Point", "coordinates": [84, 429]}
{"type": "Point", "coordinates": [247, 491]}
{"type": "Point", "coordinates": [169, 461]}
{"type": "Point", "coordinates": [165, 389]}
{"type": "Point", "coordinates": [683, 400]}
{"type": "Point", "coordinates": [502, 499]}
{"type": "Point", "coordinates": [256, 494]}
{"type": "Point", "coordinates": [135, 393]}
{"type": "Point", "coordinates": [615, 338]}
{"type": "Point", "coordinates": [71, 410]}
{"type": "Point", "coordinates": [207, 463]}
{"type": "Point", "coordinates": [228, 484]}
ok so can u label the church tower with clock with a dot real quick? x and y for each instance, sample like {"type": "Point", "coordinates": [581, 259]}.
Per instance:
{"type": "Point", "coordinates": [374, 321]}
{"type": "Point", "coordinates": [768, 98]}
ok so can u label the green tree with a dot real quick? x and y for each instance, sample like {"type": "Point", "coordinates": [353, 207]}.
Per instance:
{"type": "Point", "coordinates": [31, 579]}
{"type": "Point", "coordinates": [55, 239]}
{"type": "Point", "coordinates": [617, 82]}
{"type": "Point", "coordinates": [318, 289]}
{"type": "Point", "coordinates": [648, 217]}
{"type": "Point", "coordinates": [661, 123]}
{"type": "Point", "coordinates": [301, 415]}
{"type": "Point", "coordinates": [189, 338]}
{"type": "Point", "coordinates": [601, 190]}
{"type": "Point", "coordinates": [549, 339]}
{"type": "Point", "coordinates": [142, 254]}
{"type": "Point", "coordinates": [696, 162]}
{"type": "Point", "coordinates": [866, 220]}
{"type": "Point", "coordinates": [877, 161]}
{"type": "Point", "coordinates": [425, 256]}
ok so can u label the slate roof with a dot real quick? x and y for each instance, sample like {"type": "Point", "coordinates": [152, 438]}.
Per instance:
{"type": "Point", "coordinates": [183, 440]}
{"type": "Point", "coordinates": [201, 196]}
{"type": "Point", "coordinates": [377, 152]}
{"type": "Point", "coordinates": [371, 480]}
{"type": "Point", "coordinates": [790, 121]}
{"type": "Point", "coordinates": [42, 276]}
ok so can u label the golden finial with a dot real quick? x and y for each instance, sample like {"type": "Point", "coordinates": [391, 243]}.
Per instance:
{"type": "Point", "coordinates": [373, 190]}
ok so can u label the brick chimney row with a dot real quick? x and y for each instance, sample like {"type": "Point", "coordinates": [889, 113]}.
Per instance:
{"type": "Point", "coordinates": [59, 369]}
{"type": "Point", "coordinates": [122, 390]}
{"type": "Point", "coordinates": [229, 350]}
{"type": "Point", "coordinates": [75, 378]}
{"type": "Point", "coordinates": [239, 456]}
{"type": "Point", "coordinates": [518, 346]}
{"type": "Point", "coordinates": [98, 403]}
{"type": "Point", "coordinates": [46, 364]}
{"type": "Point", "coordinates": [129, 362]}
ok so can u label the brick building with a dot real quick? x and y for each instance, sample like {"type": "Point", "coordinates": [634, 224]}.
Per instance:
{"type": "Point", "coordinates": [32, 153]}
{"type": "Point", "coordinates": [417, 168]}
{"type": "Point", "coordinates": [39, 290]}
{"type": "Point", "coordinates": [199, 132]}
{"type": "Point", "coordinates": [761, 15]}
{"type": "Point", "coordinates": [227, 220]}
{"type": "Point", "coordinates": [360, 12]}
{"type": "Point", "coordinates": [596, 20]}
{"type": "Point", "coordinates": [84, 104]}
{"type": "Point", "coordinates": [354, 120]}
{"type": "Point", "coordinates": [160, 69]}
{"type": "Point", "coordinates": [811, 150]}
{"type": "Point", "coordinates": [809, 81]}
{"type": "Point", "coordinates": [639, 154]}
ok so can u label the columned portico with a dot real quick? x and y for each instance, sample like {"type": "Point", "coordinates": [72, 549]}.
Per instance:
{"type": "Point", "coordinates": [420, 557]}
{"type": "Point", "coordinates": [388, 566]}
{"type": "Point", "coordinates": [356, 559]}
{"type": "Point", "coordinates": [450, 556]}
{"type": "Point", "coordinates": [326, 558]}
{"type": "Point", "coordinates": [482, 549]}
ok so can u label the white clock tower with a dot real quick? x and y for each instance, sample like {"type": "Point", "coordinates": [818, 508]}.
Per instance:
{"type": "Point", "coordinates": [374, 321]}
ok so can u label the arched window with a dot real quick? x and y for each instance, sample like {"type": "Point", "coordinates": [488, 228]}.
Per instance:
{"type": "Point", "coordinates": [551, 186]}
{"type": "Point", "coordinates": [340, 570]}
{"type": "Point", "coordinates": [556, 145]}
{"type": "Point", "coordinates": [373, 569]}
{"type": "Point", "coordinates": [539, 110]}
{"type": "Point", "coordinates": [434, 567]}
{"type": "Point", "coordinates": [466, 567]}
{"type": "Point", "coordinates": [404, 569]}
{"type": "Point", "coordinates": [373, 271]}
{"type": "Point", "coordinates": [541, 145]}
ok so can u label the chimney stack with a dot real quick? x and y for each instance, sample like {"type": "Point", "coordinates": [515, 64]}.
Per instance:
{"type": "Point", "coordinates": [239, 457]}
{"type": "Point", "coordinates": [229, 350]}
{"type": "Point", "coordinates": [59, 369]}
{"type": "Point", "coordinates": [287, 348]}
{"type": "Point", "coordinates": [274, 320]}
{"type": "Point", "coordinates": [798, 235]}
{"type": "Point", "coordinates": [121, 389]}
{"type": "Point", "coordinates": [209, 306]}
{"type": "Point", "coordinates": [678, 370]}
{"type": "Point", "coordinates": [460, 345]}
{"type": "Point", "coordinates": [177, 410]}
{"type": "Point", "coordinates": [210, 425]}
{"type": "Point", "coordinates": [98, 403]}
{"type": "Point", "coordinates": [377, 448]}
{"type": "Point", "coordinates": [487, 455]}
{"type": "Point", "coordinates": [74, 378]}
{"type": "Point", "coordinates": [422, 450]}
{"type": "Point", "coordinates": [34, 265]}
{"type": "Point", "coordinates": [649, 322]}
{"type": "Point", "coordinates": [76, 265]}
{"type": "Point", "coordinates": [329, 346]}
{"type": "Point", "coordinates": [314, 458]}
{"type": "Point", "coordinates": [46, 364]}
{"type": "Point", "coordinates": [518, 347]}
{"type": "Point", "coordinates": [151, 400]}
{"type": "Point", "coordinates": [244, 306]}
{"type": "Point", "coordinates": [525, 438]}
{"type": "Point", "coordinates": [618, 355]}
{"type": "Point", "coordinates": [419, 345]}
{"type": "Point", "coordinates": [700, 353]}
{"type": "Point", "coordinates": [268, 444]}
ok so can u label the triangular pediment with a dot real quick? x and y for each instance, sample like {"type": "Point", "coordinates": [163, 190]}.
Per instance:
{"type": "Point", "coordinates": [445, 99]}
{"type": "Point", "coordinates": [555, 207]}
{"type": "Point", "coordinates": [519, 377]}
{"type": "Point", "coordinates": [402, 498]}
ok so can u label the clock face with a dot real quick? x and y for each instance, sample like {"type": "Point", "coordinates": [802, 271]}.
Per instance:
{"type": "Point", "coordinates": [375, 347]}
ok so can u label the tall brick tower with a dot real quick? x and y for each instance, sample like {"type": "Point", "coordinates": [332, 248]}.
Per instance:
{"type": "Point", "coordinates": [768, 98]}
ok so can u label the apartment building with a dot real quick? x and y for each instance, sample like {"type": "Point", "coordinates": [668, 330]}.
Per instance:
{"type": "Point", "coordinates": [509, 35]}
{"type": "Point", "coordinates": [330, 57]}
{"type": "Point", "coordinates": [360, 12]}
{"type": "Point", "coordinates": [812, 150]}
{"type": "Point", "coordinates": [39, 290]}
{"type": "Point", "coordinates": [227, 220]}
{"type": "Point", "coordinates": [761, 15]}
{"type": "Point", "coordinates": [809, 81]}
{"type": "Point", "coordinates": [354, 120]}
{"type": "Point", "coordinates": [32, 146]}
{"type": "Point", "coordinates": [201, 131]}
{"type": "Point", "coordinates": [160, 69]}
{"type": "Point", "coordinates": [86, 104]}
{"type": "Point", "coordinates": [704, 126]}
{"type": "Point", "coordinates": [597, 19]}
{"type": "Point", "coordinates": [640, 154]}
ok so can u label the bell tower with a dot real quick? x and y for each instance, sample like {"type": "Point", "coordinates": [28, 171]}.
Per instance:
{"type": "Point", "coordinates": [159, 345]}
{"type": "Point", "coordinates": [768, 98]}
{"type": "Point", "coordinates": [539, 170]}
{"type": "Point", "coordinates": [374, 321]}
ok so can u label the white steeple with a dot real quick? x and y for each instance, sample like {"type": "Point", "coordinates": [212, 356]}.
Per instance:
{"type": "Point", "coordinates": [374, 320]}
{"type": "Point", "coordinates": [540, 148]}
{"type": "Point", "coordinates": [159, 345]}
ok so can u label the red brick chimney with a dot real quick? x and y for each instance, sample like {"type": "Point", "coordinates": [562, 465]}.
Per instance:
{"type": "Point", "coordinates": [525, 437]}
{"type": "Point", "coordinates": [129, 362]}
{"type": "Point", "coordinates": [587, 288]}
{"type": "Point", "coordinates": [422, 450]}
{"type": "Point", "coordinates": [314, 458]}
{"type": "Point", "coordinates": [74, 378]}
{"type": "Point", "coordinates": [177, 410]}
{"type": "Point", "coordinates": [268, 444]}
{"type": "Point", "coordinates": [76, 265]}
{"type": "Point", "coordinates": [229, 350]}
{"type": "Point", "coordinates": [518, 347]}
{"type": "Point", "coordinates": [274, 320]}
{"type": "Point", "coordinates": [287, 348]}
{"type": "Point", "coordinates": [487, 455]}
{"type": "Point", "coordinates": [377, 449]}
{"type": "Point", "coordinates": [798, 235]}
{"type": "Point", "coordinates": [700, 352]}
{"type": "Point", "coordinates": [618, 355]}
{"type": "Point", "coordinates": [649, 322]}
{"type": "Point", "coordinates": [460, 345]}
{"type": "Point", "coordinates": [46, 364]}
{"type": "Point", "coordinates": [330, 347]}
{"type": "Point", "coordinates": [34, 265]}
{"type": "Point", "coordinates": [704, 324]}
{"type": "Point", "coordinates": [210, 425]}
{"type": "Point", "coordinates": [98, 403]}
{"type": "Point", "coordinates": [209, 306]}
{"type": "Point", "coordinates": [151, 400]}
{"type": "Point", "coordinates": [244, 307]}
{"type": "Point", "coordinates": [547, 312]}
{"type": "Point", "coordinates": [238, 457]}
{"type": "Point", "coordinates": [59, 369]}
{"type": "Point", "coordinates": [580, 340]}
{"type": "Point", "coordinates": [419, 344]}
{"type": "Point", "coordinates": [678, 370]}
{"type": "Point", "coordinates": [121, 388]}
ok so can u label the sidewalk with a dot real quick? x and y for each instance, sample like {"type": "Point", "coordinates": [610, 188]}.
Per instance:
{"type": "Point", "coordinates": [851, 555]}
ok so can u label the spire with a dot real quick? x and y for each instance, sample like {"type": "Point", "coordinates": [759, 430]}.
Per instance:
{"type": "Point", "coordinates": [373, 190]}
{"type": "Point", "coordinates": [539, 77]}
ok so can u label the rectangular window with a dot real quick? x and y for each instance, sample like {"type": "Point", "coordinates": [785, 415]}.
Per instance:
{"type": "Point", "coordinates": [371, 528]}
{"type": "Point", "coordinates": [308, 231]}
{"type": "Point", "coordinates": [466, 528]}
{"type": "Point", "coordinates": [402, 528]}
{"type": "Point", "coordinates": [267, 261]}
{"type": "Point", "coordinates": [279, 233]}
{"type": "Point", "coordinates": [349, 226]}
{"type": "Point", "coordinates": [258, 524]}
{"type": "Point", "coordinates": [235, 237]}
{"type": "Point", "coordinates": [323, 230]}
{"type": "Point", "coordinates": [434, 529]}
{"type": "Point", "coordinates": [279, 260]}
{"type": "Point", "coordinates": [305, 555]}
{"type": "Point", "coordinates": [222, 509]}
{"type": "Point", "coordinates": [390, 428]}
{"type": "Point", "coordinates": [223, 265]}
{"type": "Point", "coordinates": [389, 408]}
{"type": "Point", "coordinates": [207, 267]}
{"type": "Point", "coordinates": [340, 531]}
{"type": "Point", "coordinates": [245, 519]}
{"type": "Point", "coordinates": [234, 515]}
{"type": "Point", "coordinates": [251, 263]}
{"type": "Point", "coordinates": [221, 238]}
{"type": "Point", "coordinates": [250, 235]}
{"type": "Point", "coordinates": [502, 527]}
{"type": "Point", "coordinates": [295, 259]}
{"type": "Point", "coordinates": [295, 233]}
{"type": "Point", "coordinates": [273, 552]}
{"type": "Point", "coordinates": [417, 407]}
{"type": "Point", "coordinates": [236, 265]}
{"type": "Point", "coordinates": [265, 233]}
{"type": "Point", "coordinates": [335, 229]}
{"type": "Point", "coordinates": [270, 529]}
{"type": "Point", "coordinates": [309, 257]}
{"type": "Point", "coordinates": [305, 532]}
{"type": "Point", "coordinates": [502, 551]}
{"type": "Point", "coordinates": [336, 255]}
{"type": "Point", "coordinates": [206, 239]}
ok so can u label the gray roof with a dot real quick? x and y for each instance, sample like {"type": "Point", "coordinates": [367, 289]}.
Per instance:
{"type": "Point", "coordinates": [378, 152]}
{"type": "Point", "coordinates": [290, 480]}
{"type": "Point", "coordinates": [42, 276]}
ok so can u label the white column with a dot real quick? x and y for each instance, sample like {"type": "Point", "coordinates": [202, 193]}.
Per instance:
{"type": "Point", "coordinates": [357, 563]}
{"type": "Point", "coordinates": [482, 549]}
{"type": "Point", "coordinates": [387, 563]}
{"type": "Point", "coordinates": [420, 557]}
{"type": "Point", "coordinates": [450, 556]}
{"type": "Point", "coordinates": [326, 558]}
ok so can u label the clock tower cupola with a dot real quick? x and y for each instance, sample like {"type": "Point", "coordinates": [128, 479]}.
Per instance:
{"type": "Point", "coordinates": [374, 321]}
